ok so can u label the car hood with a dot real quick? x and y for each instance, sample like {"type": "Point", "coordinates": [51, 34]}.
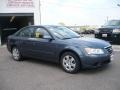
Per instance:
{"type": "Point", "coordinates": [89, 42]}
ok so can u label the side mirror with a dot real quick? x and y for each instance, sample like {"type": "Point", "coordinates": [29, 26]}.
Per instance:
{"type": "Point", "coordinates": [48, 38]}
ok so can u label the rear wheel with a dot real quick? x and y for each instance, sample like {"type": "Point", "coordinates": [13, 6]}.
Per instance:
{"type": "Point", "coordinates": [16, 54]}
{"type": "Point", "coordinates": [70, 62]}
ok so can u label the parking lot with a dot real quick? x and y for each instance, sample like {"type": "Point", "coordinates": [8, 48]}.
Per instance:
{"type": "Point", "coordinates": [34, 74]}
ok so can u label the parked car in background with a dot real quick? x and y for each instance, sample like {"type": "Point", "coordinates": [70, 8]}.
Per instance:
{"type": "Point", "coordinates": [87, 32]}
{"type": "Point", "coordinates": [77, 31]}
{"type": "Point", "coordinates": [59, 44]}
{"type": "Point", "coordinates": [110, 31]}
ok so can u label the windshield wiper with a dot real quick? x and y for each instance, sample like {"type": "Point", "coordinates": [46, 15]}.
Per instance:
{"type": "Point", "coordinates": [66, 38]}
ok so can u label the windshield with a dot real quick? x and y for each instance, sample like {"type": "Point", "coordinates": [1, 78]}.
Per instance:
{"type": "Point", "coordinates": [113, 23]}
{"type": "Point", "coordinates": [63, 32]}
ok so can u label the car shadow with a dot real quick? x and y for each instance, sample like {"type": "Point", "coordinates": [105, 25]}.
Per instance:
{"type": "Point", "coordinates": [43, 62]}
{"type": "Point", "coordinates": [96, 70]}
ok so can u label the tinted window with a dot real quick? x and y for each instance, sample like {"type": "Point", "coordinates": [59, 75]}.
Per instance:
{"type": "Point", "coordinates": [27, 32]}
{"type": "Point", "coordinates": [42, 31]}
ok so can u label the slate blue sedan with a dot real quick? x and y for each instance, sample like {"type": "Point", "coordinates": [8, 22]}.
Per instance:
{"type": "Point", "coordinates": [59, 44]}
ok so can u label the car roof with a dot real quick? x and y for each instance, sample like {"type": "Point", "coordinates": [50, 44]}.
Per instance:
{"type": "Point", "coordinates": [45, 25]}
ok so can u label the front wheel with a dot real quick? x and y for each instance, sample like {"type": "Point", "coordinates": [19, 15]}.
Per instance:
{"type": "Point", "coordinates": [70, 62]}
{"type": "Point", "coordinates": [16, 54]}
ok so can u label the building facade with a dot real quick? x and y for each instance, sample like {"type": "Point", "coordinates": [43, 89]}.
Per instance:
{"type": "Point", "coordinates": [15, 14]}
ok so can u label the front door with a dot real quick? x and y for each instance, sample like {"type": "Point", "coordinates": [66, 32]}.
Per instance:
{"type": "Point", "coordinates": [44, 47]}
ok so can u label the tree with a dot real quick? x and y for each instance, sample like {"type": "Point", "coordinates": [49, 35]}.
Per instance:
{"type": "Point", "coordinates": [61, 23]}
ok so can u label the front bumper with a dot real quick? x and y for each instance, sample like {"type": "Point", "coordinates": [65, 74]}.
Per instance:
{"type": "Point", "coordinates": [110, 37]}
{"type": "Point", "coordinates": [95, 61]}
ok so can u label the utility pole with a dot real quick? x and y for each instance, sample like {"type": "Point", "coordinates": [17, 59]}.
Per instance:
{"type": "Point", "coordinates": [40, 10]}
{"type": "Point", "coordinates": [107, 18]}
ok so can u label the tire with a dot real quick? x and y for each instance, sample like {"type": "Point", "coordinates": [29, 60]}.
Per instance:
{"type": "Point", "coordinates": [16, 54]}
{"type": "Point", "coordinates": [70, 62]}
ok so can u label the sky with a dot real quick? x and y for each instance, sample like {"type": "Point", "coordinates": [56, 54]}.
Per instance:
{"type": "Point", "coordinates": [79, 12]}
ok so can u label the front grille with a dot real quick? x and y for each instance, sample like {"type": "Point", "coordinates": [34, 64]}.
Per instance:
{"type": "Point", "coordinates": [105, 30]}
{"type": "Point", "coordinates": [109, 49]}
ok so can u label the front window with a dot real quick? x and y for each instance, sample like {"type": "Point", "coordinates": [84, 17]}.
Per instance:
{"type": "Point", "coordinates": [62, 32]}
{"type": "Point", "coordinates": [42, 31]}
{"type": "Point", "coordinates": [113, 23]}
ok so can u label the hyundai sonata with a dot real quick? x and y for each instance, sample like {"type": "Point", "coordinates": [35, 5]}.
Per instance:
{"type": "Point", "coordinates": [59, 44]}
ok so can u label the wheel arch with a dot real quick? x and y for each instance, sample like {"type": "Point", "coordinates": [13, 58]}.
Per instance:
{"type": "Point", "coordinates": [12, 46]}
{"type": "Point", "coordinates": [69, 50]}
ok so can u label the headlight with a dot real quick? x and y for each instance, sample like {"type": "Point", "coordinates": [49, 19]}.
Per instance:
{"type": "Point", "coordinates": [116, 31]}
{"type": "Point", "coordinates": [94, 51]}
{"type": "Point", "coordinates": [97, 31]}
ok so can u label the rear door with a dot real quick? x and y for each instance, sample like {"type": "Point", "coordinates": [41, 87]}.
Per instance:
{"type": "Point", "coordinates": [25, 41]}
